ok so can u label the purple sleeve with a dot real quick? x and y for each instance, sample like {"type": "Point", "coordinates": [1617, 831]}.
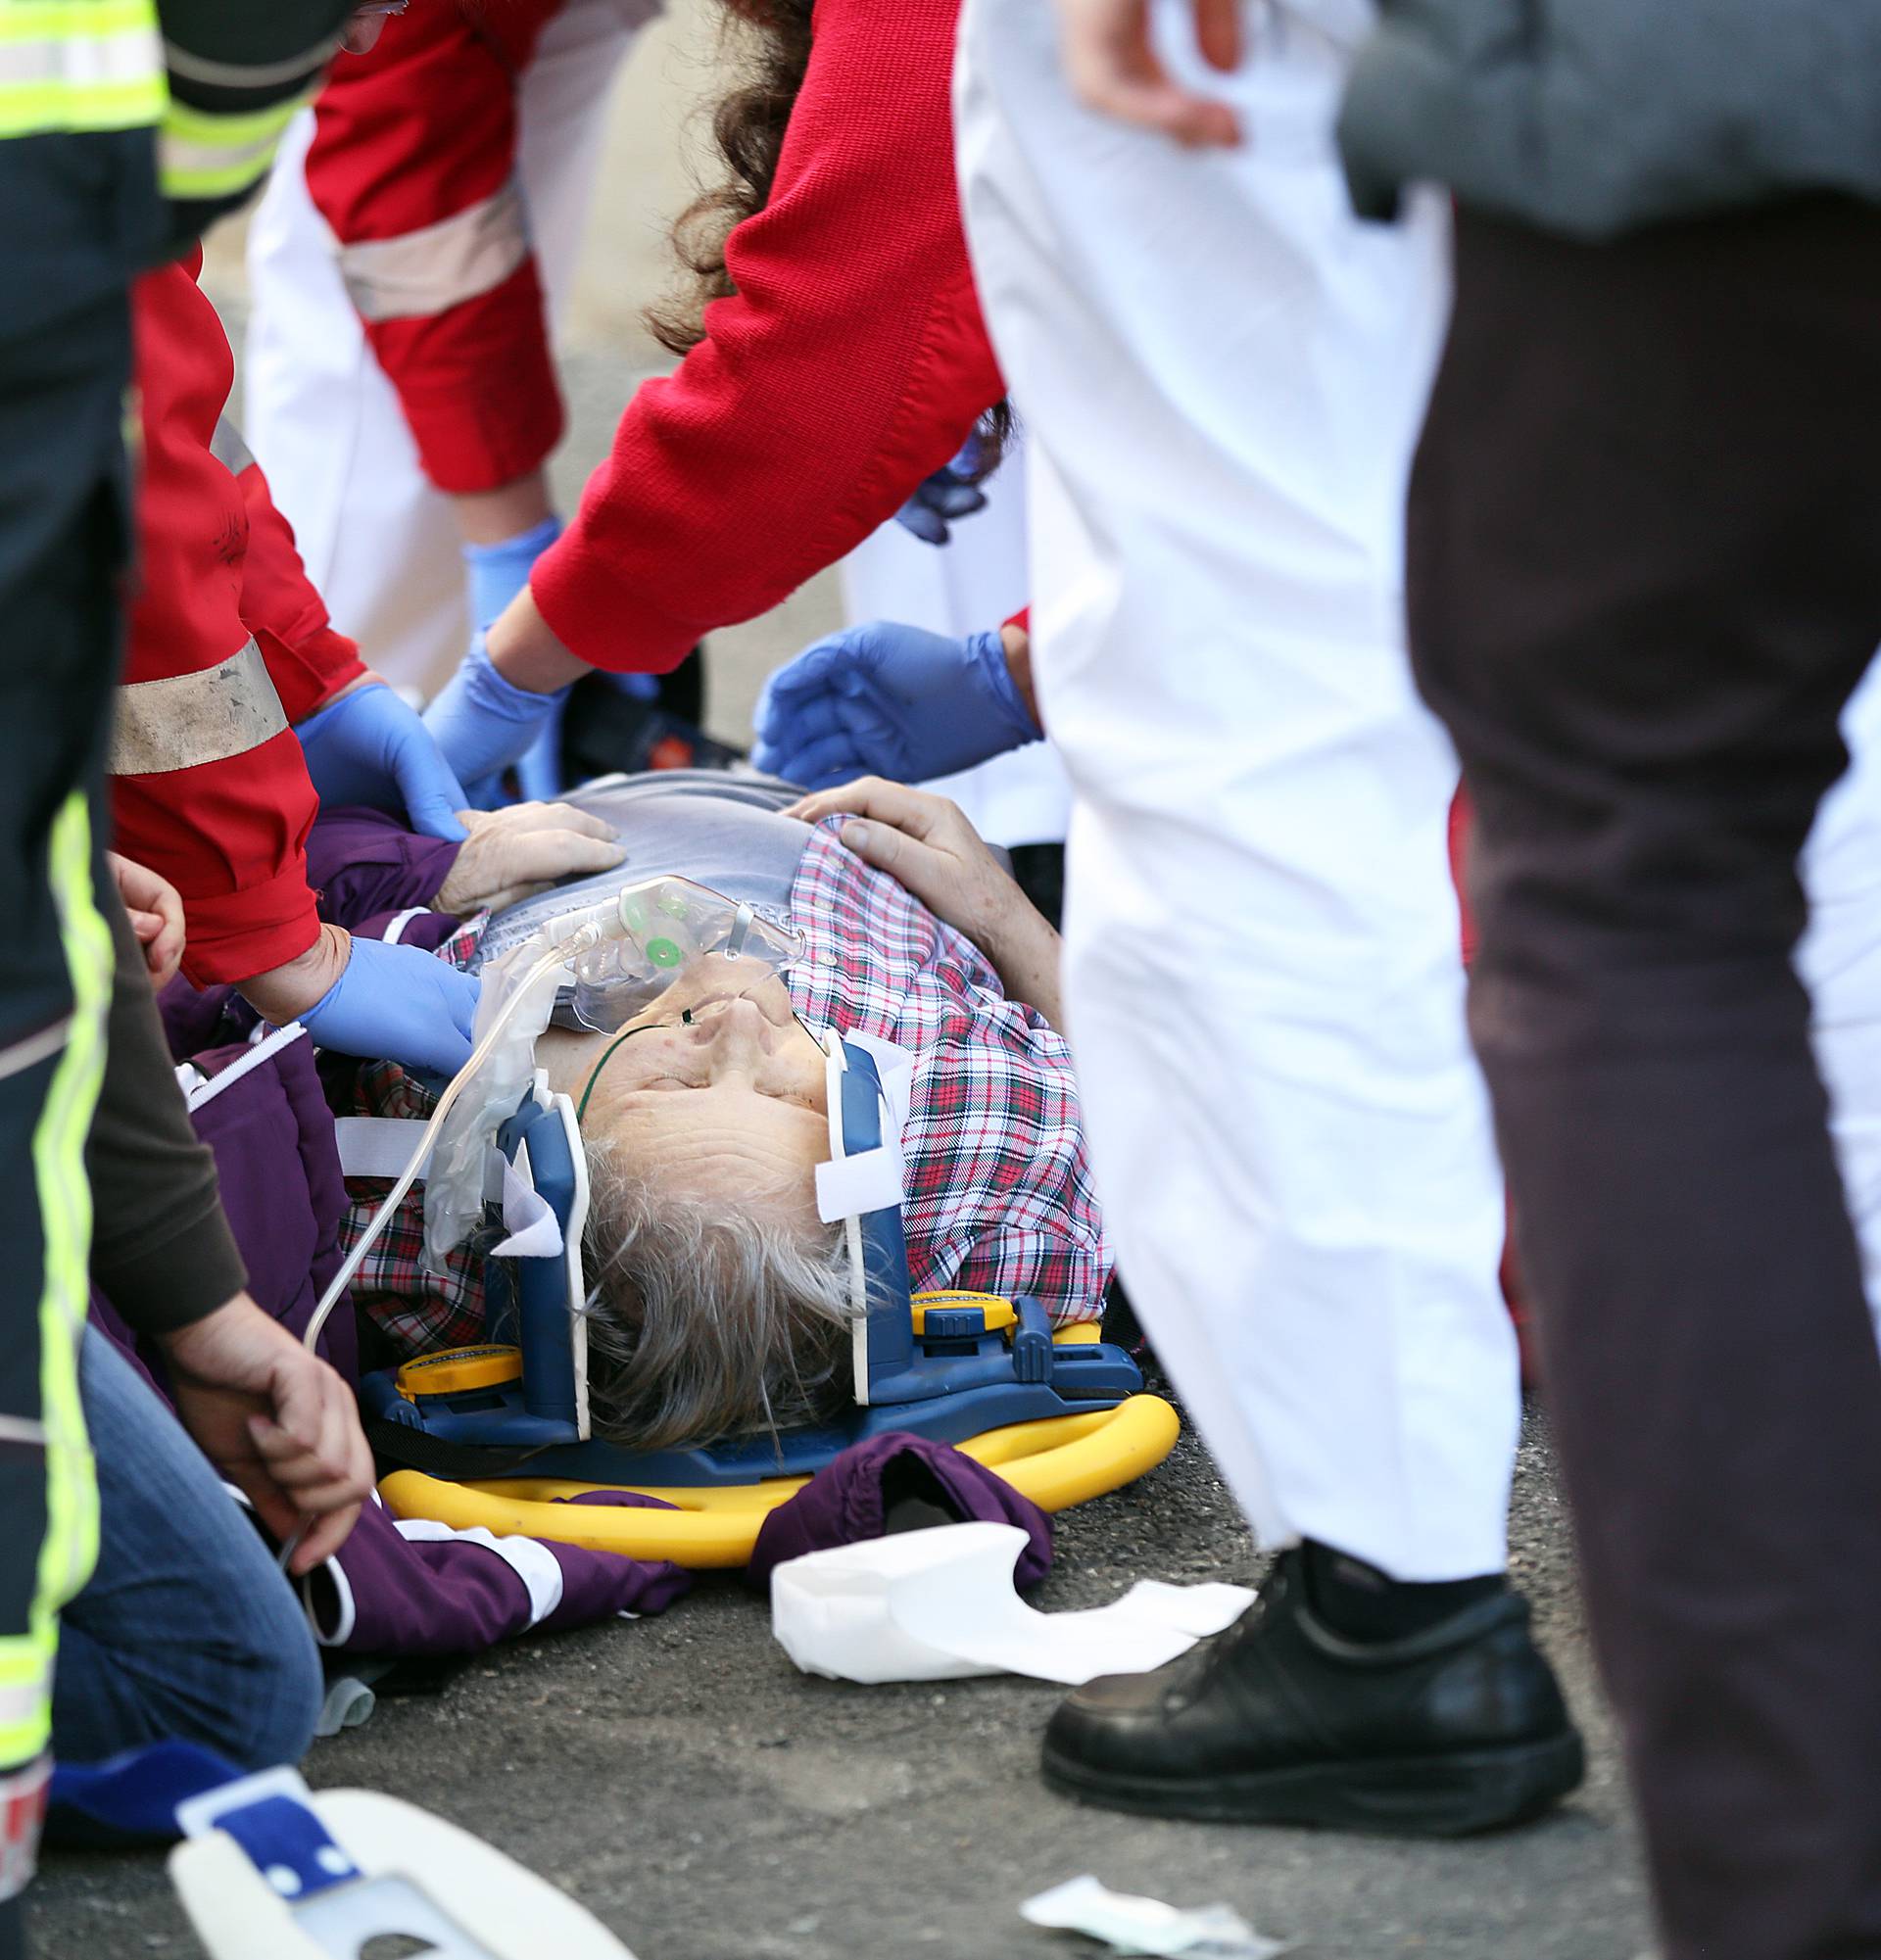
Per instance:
{"type": "Point", "coordinates": [365, 864]}
{"type": "Point", "coordinates": [423, 1589]}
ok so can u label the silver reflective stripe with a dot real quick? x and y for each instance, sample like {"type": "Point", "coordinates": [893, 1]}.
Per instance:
{"type": "Point", "coordinates": [191, 719]}
{"type": "Point", "coordinates": [427, 272]}
{"type": "Point", "coordinates": [228, 448]}
{"type": "Point", "coordinates": [18, 1699]}
{"type": "Point", "coordinates": [81, 60]}
{"type": "Point", "coordinates": [23, 1429]}
{"type": "Point", "coordinates": [35, 1047]}
{"type": "Point", "coordinates": [240, 75]}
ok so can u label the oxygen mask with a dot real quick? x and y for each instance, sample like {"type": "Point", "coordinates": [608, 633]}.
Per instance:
{"type": "Point", "coordinates": [680, 945]}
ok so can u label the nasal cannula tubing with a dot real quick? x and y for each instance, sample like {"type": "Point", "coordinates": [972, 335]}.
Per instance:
{"type": "Point", "coordinates": [590, 930]}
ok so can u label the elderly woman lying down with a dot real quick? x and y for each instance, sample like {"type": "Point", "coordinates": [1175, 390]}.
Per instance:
{"type": "Point", "coordinates": [719, 1301]}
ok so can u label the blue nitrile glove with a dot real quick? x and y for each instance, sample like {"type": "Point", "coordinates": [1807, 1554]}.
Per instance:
{"type": "Point", "coordinates": [399, 1004]}
{"type": "Point", "coordinates": [370, 747]}
{"type": "Point", "coordinates": [951, 493]}
{"type": "Point", "coordinates": [888, 700]}
{"type": "Point", "coordinates": [494, 574]}
{"type": "Point", "coordinates": [483, 723]}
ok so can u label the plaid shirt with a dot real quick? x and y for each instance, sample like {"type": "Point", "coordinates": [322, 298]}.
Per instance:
{"type": "Point", "coordinates": [998, 1194]}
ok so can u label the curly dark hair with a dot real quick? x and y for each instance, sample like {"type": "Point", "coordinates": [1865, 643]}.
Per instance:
{"type": "Point", "coordinates": [768, 43]}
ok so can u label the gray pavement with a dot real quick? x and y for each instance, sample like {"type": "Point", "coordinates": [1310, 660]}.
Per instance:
{"type": "Point", "coordinates": [708, 1802]}
{"type": "Point", "coordinates": [682, 1780]}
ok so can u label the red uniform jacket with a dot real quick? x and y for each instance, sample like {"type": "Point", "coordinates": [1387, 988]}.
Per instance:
{"type": "Point", "coordinates": [412, 165]}
{"type": "Point", "coordinates": [852, 364]}
{"type": "Point", "coordinates": [229, 644]}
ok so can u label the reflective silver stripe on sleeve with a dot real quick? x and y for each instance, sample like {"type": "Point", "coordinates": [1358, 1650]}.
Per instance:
{"type": "Point", "coordinates": [228, 448]}
{"type": "Point", "coordinates": [18, 1699]}
{"type": "Point", "coordinates": [427, 272]}
{"type": "Point", "coordinates": [190, 719]}
{"type": "Point", "coordinates": [34, 1048]}
{"type": "Point", "coordinates": [242, 75]}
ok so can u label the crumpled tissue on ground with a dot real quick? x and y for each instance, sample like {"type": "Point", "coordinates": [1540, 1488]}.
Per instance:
{"type": "Point", "coordinates": [1129, 1923]}
{"type": "Point", "coordinates": [940, 1605]}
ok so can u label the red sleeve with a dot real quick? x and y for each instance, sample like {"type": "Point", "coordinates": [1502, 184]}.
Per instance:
{"type": "Point", "coordinates": [1462, 825]}
{"type": "Point", "coordinates": [852, 364]}
{"type": "Point", "coordinates": [413, 163]}
{"type": "Point", "coordinates": [308, 661]}
{"type": "Point", "coordinates": [208, 784]}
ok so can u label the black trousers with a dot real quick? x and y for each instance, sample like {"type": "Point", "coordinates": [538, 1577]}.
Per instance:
{"type": "Point", "coordinates": [63, 544]}
{"type": "Point", "coordinates": [1645, 575]}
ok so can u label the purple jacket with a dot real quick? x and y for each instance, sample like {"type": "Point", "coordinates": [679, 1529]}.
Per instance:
{"type": "Point", "coordinates": [419, 1588]}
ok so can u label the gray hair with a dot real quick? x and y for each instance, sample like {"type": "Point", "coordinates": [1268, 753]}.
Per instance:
{"type": "Point", "coordinates": [704, 1320]}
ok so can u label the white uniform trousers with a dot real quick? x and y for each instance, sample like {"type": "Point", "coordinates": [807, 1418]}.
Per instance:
{"type": "Point", "coordinates": [379, 542]}
{"type": "Point", "coordinates": [1222, 374]}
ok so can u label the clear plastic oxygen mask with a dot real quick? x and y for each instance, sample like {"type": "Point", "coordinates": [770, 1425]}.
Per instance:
{"type": "Point", "coordinates": [623, 956]}
{"type": "Point", "coordinates": [671, 936]}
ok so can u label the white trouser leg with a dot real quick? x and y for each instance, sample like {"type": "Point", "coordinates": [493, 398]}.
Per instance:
{"type": "Point", "coordinates": [1840, 961]}
{"type": "Point", "coordinates": [1223, 375]}
{"type": "Point", "coordinates": [379, 542]}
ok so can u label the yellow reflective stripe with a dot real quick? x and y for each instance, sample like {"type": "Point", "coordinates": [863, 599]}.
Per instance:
{"type": "Point", "coordinates": [22, 1691]}
{"type": "Point", "coordinates": [52, 109]}
{"type": "Point", "coordinates": [73, 19]}
{"type": "Point", "coordinates": [27, 1662]}
{"type": "Point", "coordinates": [79, 64]}
{"type": "Point", "coordinates": [201, 154]}
{"type": "Point", "coordinates": [70, 1547]}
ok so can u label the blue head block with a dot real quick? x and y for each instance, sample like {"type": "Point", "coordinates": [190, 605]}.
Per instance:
{"type": "Point", "coordinates": [884, 1249]}
{"type": "Point", "coordinates": [526, 1300]}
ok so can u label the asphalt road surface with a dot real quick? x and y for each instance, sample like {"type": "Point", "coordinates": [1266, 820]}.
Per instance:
{"type": "Point", "coordinates": [682, 1780]}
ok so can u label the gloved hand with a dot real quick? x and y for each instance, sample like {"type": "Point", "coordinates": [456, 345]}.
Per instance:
{"type": "Point", "coordinates": [888, 700]}
{"type": "Point", "coordinates": [400, 1003]}
{"type": "Point", "coordinates": [951, 493]}
{"type": "Point", "coordinates": [514, 854]}
{"type": "Point", "coordinates": [370, 747]}
{"type": "Point", "coordinates": [494, 574]}
{"type": "Point", "coordinates": [482, 723]}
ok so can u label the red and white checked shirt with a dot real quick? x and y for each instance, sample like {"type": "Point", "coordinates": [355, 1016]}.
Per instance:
{"type": "Point", "coordinates": [998, 1192]}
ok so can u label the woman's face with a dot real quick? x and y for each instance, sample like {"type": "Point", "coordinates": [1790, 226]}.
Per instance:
{"type": "Point", "coordinates": [731, 1107]}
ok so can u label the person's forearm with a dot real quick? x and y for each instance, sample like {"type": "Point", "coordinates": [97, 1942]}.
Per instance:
{"type": "Point", "coordinates": [494, 516]}
{"type": "Point", "coordinates": [289, 991]}
{"type": "Point", "coordinates": [525, 651]}
{"type": "Point", "coordinates": [1027, 954]}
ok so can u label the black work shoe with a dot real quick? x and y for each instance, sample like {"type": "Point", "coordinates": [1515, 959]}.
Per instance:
{"type": "Point", "coordinates": [1280, 1720]}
